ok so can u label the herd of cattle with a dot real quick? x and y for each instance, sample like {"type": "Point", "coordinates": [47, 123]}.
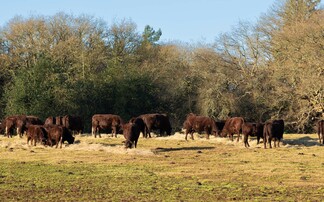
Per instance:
{"type": "Point", "coordinates": [56, 130]}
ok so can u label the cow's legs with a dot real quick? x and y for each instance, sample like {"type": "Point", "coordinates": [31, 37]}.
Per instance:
{"type": "Point", "coordinates": [246, 141]}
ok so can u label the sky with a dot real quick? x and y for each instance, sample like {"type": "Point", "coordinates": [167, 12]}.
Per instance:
{"type": "Point", "coordinates": [179, 20]}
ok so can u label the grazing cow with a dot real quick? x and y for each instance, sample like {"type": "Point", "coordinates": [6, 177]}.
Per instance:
{"type": "Point", "coordinates": [219, 125]}
{"type": "Point", "coordinates": [106, 121]}
{"type": "Point", "coordinates": [73, 123]}
{"type": "Point", "coordinates": [320, 131]}
{"type": "Point", "coordinates": [58, 134]}
{"type": "Point", "coordinates": [140, 123]}
{"type": "Point", "coordinates": [14, 122]}
{"type": "Point", "coordinates": [194, 123]}
{"type": "Point", "coordinates": [36, 133]}
{"type": "Point", "coordinates": [51, 120]}
{"type": "Point", "coordinates": [273, 129]}
{"type": "Point", "coordinates": [233, 126]}
{"type": "Point", "coordinates": [131, 132]}
{"type": "Point", "coordinates": [156, 122]}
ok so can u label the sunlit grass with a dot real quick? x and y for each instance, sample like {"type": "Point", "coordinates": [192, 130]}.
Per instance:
{"type": "Point", "coordinates": [163, 169]}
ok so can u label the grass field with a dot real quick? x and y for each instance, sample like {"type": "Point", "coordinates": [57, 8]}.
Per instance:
{"type": "Point", "coordinates": [162, 169]}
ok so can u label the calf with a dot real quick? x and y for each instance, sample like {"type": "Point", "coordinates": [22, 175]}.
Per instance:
{"type": "Point", "coordinates": [58, 134]}
{"type": "Point", "coordinates": [273, 129]}
{"type": "Point", "coordinates": [320, 131]}
{"type": "Point", "coordinates": [131, 133]}
{"type": "Point", "coordinates": [36, 133]}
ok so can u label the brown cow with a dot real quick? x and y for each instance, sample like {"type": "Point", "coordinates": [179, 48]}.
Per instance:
{"type": "Point", "coordinates": [320, 131]}
{"type": "Point", "coordinates": [73, 123]}
{"type": "Point", "coordinates": [259, 131]}
{"type": "Point", "coordinates": [106, 121]}
{"type": "Point", "coordinates": [156, 121]}
{"type": "Point", "coordinates": [273, 129]}
{"type": "Point", "coordinates": [17, 122]}
{"type": "Point", "coordinates": [131, 132]}
{"type": "Point", "coordinates": [248, 129]}
{"type": "Point", "coordinates": [194, 123]}
{"type": "Point", "coordinates": [58, 134]}
{"type": "Point", "coordinates": [36, 133]}
{"type": "Point", "coordinates": [233, 126]}
{"type": "Point", "coordinates": [51, 120]}
{"type": "Point", "coordinates": [59, 120]}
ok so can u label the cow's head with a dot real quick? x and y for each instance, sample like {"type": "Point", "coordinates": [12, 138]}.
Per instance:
{"type": "Point", "coordinates": [128, 144]}
{"type": "Point", "coordinates": [70, 140]}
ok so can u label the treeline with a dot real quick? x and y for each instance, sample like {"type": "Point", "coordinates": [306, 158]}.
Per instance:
{"type": "Point", "coordinates": [65, 64]}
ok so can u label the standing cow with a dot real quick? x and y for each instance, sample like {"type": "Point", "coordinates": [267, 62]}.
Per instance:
{"type": "Point", "coordinates": [141, 125]}
{"type": "Point", "coordinates": [106, 121]}
{"type": "Point", "coordinates": [273, 129]}
{"type": "Point", "coordinates": [194, 123]}
{"type": "Point", "coordinates": [156, 122]}
{"type": "Point", "coordinates": [320, 131]}
{"type": "Point", "coordinates": [36, 133]}
{"type": "Point", "coordinates": [233, 126]}
{"type": "Point", "coordinates": [58, 134]}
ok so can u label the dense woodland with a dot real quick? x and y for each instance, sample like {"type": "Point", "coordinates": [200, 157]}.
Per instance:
{"type": "Point", "coordinates": [65, 64]}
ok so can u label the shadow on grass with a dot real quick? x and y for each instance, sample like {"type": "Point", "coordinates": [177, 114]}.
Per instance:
{"type": "Point", "coordinates": [161, 149]}
{"type": "Point", "coordinates": [303, 141]}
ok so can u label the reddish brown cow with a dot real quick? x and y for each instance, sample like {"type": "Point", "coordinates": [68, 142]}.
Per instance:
{"type": "Point", "coordinates": [156, 121]}
{"type": "Point", "coordinates": [73, 123]}
{"type": "Point", "coordinates": [320, 131]}
{"type": "Point", "coordinates": [233, 126]}
{"type": "Point", "coordinates": [17, 122]}
{"type": "Point", "coordinates": [36, 133]}
{"type": "Point", "coordinates": [131, 133]}
{"type": "Point", "coordinates": [273, 129]}
{"type": "Point", "coordinates": [106, 121]}
{"type": "Point", "coordinates": [58, 134]}
{"type": "Point", "coordinates": [199, 124]}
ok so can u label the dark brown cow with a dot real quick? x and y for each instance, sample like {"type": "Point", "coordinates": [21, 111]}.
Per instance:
{"type": "Point", "coordinates": [233, 126]}
{"type": "Point", "coordinates": [131, 132]}
{"type": "Point", "coordinates": [140, 123]}
{"type": "Point", "coordinates": [156, 121]}
{"type": "Point", "coordinates": [273, 129]}
{"type": "Point", "coordinates": [58, 134]}
{"type": "Point", "coordinates": [106, 121]}
{"type": "Point", "coordinates": [17, 122]}
{"type": "Point", "coordinates": [248, 129]}
{"type": "Point", "coordinates": [73, 123]}
{"type": "Point", "coordinates": [23, 122]}
{"type": "Point", "coordinates": [36, 133]}
{"type": "Point", "coordinates": [320, 131]}
{"type": "Point", "coordinates": [199, 124]}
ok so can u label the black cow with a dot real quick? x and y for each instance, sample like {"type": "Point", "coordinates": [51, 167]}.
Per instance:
{"type": "Point", "coordinates": [273, 129]}
{"type": "Point", "coordinates": [73, 123]}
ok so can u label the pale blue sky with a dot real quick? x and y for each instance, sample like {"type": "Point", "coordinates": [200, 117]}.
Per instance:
{"type": "Point", "coordinates": [180, 20]}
